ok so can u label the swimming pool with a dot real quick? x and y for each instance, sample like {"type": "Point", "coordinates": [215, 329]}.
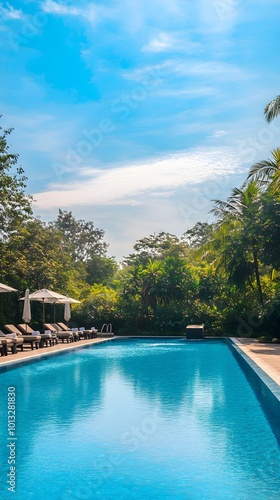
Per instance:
{"type": "Point", "coordinates": [141, 419]}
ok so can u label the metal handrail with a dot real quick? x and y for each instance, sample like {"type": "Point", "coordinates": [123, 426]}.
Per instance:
{"type": "Point", "coordinates": [105, 324]}
{"type": "Point", "coordinates": [106, 329]}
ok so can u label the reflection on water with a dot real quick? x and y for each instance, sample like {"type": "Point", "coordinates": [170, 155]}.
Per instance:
{"type": "Point", "coordinates": [142, 419]}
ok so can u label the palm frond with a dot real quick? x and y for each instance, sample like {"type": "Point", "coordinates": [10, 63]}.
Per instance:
{"type": "Point", "coordinates": [274, 275]}
{"type": "Point", "coordinates": [262, 170]}
{"type": "Point", "coordinates": [223, 208]}
{"type": "Point", "coordinates": [272, 109]}
{"type": "Point", "coordinates": [276, 156]}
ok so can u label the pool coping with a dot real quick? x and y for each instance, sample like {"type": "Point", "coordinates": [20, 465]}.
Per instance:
{"type": "Point", "coordinates": [33, 358]}
{"type": "Point", "coordinates": [269, 375]}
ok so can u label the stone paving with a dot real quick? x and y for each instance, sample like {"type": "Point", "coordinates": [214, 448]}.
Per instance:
{"type": "Point", "coordinates": [266, 356]}
{"type": "Point", "coordinates": [37, 353]}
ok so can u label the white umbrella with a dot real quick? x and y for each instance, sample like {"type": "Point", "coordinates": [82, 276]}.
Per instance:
{"type": "Point", "coordinates": [45, 296]}
{"type": "Point", "coordinates": [68, 300]}
{"type": "Point", "coordinates": [65, 300]}
{"type": "Point", "coordinates": [26, 315]}
{"type": "Point", "coordinates": [5, 288]}
{"type": "Point", "coordinates": [67, 311]}
{"type": "Point", "coordinates": [67, 308]}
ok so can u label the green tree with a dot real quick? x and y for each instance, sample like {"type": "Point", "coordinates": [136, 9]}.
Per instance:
{"type": "Point", "coordinates": [237, 236]}
{"type": "Point", "coordinates": [34, 258]}
{"type": "Point", "coordinates": [150, 276]}
{"type": "Point", "coordinates": [269, 230]}
{"type": "Point", "coordinates": [156, 246]}
{"type": "Point", "coordinates": [154, 296]}
{"type": "Point", "coordinates": [100, 269]}
{"type": "Point", "coordinates": [81, 238]}
{"type": "Point", "coordinates": [98, 306]}
{"type": "Point", "coordinates": [199, 234]}
{"type": "Point", "coordinates": [86, 245]}
{"type": "Point", "coordinates": [130, 305]}
{"type": "Point", "coordinates": [15, 205]}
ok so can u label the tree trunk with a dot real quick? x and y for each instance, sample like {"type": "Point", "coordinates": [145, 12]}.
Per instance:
{"type": "Point", "coordinates": [257, 274]}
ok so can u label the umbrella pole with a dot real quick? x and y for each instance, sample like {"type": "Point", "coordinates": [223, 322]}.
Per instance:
{"type": "Point", "coordinates": [54, 312]}
{"type": "Point", "coordinates": [43, 316]}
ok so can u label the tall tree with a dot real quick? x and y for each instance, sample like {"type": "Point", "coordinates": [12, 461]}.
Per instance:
{"type": "Point", "coordinates": [15, 204]}
{"type": "Point", "coordinates": [86, 245]}
{"type": "Point", "coordinates": [269, 230]}
{"type": "Point", "coordinates": [199, 234]}
{"type": "Point", "coordinates": [156, 246]}
{"type": "Point", "coordinates": [35, 258]}
{"type": "Point", "coordinates": [239, 219]}
{"type": "Point", "coordinates": [81, 238]}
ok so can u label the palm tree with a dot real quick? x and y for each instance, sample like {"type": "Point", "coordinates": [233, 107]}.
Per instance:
{"type": "Point", "coordinates": [272, 109]}
{"type": "Point", "coordinates": [236, 233]}
{"type": "Point", "coordinates": [150, 275]}
{"type": "Point", "coordinates": [267, 171]}
{"type": "Point", "coordinates": [238, 204]}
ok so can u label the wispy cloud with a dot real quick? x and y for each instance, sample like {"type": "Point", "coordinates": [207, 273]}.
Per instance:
{"type": "Point", "coordinates": [163, 42]}
{"type": "Point", "coordinates": [217, 71]}
{"type": "Point", "coordinates": [186, 92]}
{"type": "Point", "coordinates": [166, 42]}
{"type": "Point", "coordinates": [61, 9]}
{"type": "Point", "coordinates": [217, 134]}
{"type": "Point", "coordinates": [10, 12]}
{"type": "Point", "coordinates": [129, 185]}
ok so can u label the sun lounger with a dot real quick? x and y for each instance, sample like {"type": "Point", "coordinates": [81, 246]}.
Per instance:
{"type": "Point", "coordinates": [48, 327]}
{"type": "Point", "coordinates": [68, 336]}
{"type": "Point", "coordinates": [10, 343]}
{"type": "Point", "coordinates": [62, 327]}
{"type": "Point", "coordinates": [27, 339]}
{"type": "Point", "coordinates": [94, 332]}
{"type": "Point", "coordinates": [82, 332]}
{"type": "Point", "coordinates": [46, 338]}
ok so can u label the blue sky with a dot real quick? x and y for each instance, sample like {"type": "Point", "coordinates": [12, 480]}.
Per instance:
{"type": "Point", "coordinates": [135, 114]}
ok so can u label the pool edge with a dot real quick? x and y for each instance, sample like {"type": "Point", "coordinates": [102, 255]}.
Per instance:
{"type": "Point", "coordinates": [268, 375]}
{"type": "Point", "coordinates": [16, 363]}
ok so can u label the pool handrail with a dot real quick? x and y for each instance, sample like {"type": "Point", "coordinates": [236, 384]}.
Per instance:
{"type": "Point", "coordinates": [106, 330]}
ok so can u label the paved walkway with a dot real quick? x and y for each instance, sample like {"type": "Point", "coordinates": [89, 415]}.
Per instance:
{"type": "Point", "coordinates": [266, 356]}
{"type": "Point", "coordinates": [37, 353]}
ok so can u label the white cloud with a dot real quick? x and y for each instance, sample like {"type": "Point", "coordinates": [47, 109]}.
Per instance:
{"type": "Point", "coordinates": [192, 92]}
{"type": "Point", "coordinates": [161, 43]}
{"type": "Point", "coordinates": [217, 134]}
{"type": "Point", "coordinates": [129, 185]}
{"type": "Point", "coordinates": [60, 9]}
{"type": "Point", "coordinates": [164, 42]}
{"type": "Point", "coordinates": [10, 12]}
{"type": "Point", "coordinates": [213, 71]}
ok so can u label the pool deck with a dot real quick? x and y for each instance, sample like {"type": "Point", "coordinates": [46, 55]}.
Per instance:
{"type": "Point", "coordinates": [266, 356]}
{"type": "Point", "coordinates": [13, 359]}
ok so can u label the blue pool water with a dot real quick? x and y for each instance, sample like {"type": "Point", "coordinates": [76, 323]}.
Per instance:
{"type": "Point", "coordinates": [141, 419]}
